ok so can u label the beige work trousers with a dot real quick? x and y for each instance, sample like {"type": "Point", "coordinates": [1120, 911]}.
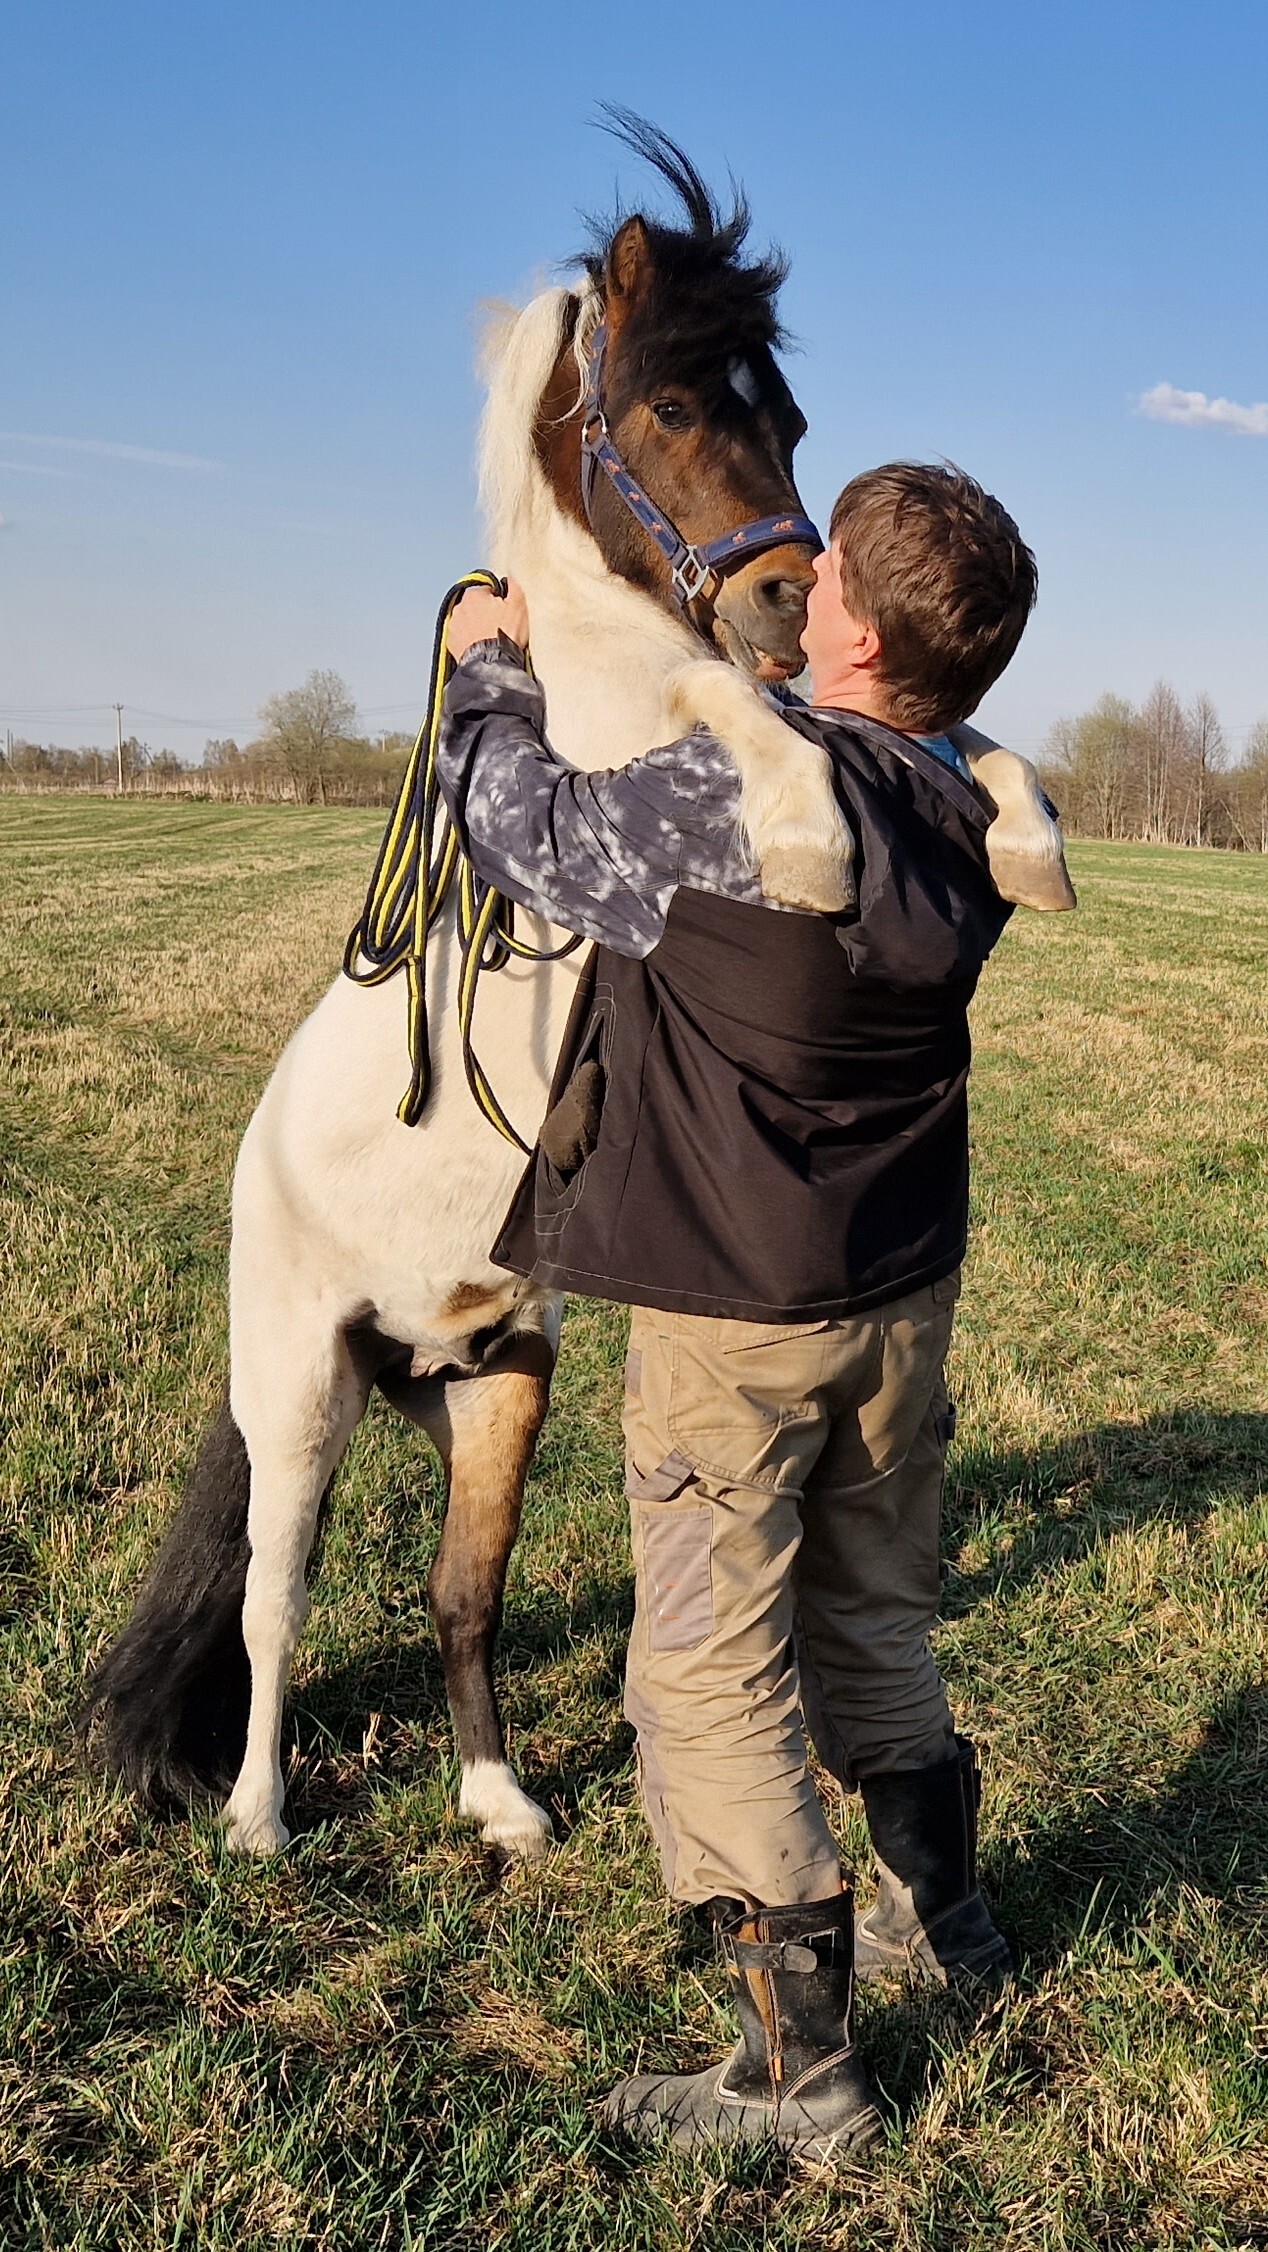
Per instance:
{"type": "Point", "coordinates": [785, 1489]}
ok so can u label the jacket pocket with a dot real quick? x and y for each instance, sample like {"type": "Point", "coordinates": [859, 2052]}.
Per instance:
{"type": "Point", "coordinates": [570, 1131]}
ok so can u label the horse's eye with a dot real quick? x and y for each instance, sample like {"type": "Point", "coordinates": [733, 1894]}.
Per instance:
{"type": "Point", "coordinates": [671, 414]}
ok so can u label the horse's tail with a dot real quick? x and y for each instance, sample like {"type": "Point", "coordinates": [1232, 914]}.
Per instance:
{"type": "Point", "coordinates": [167, 1705]}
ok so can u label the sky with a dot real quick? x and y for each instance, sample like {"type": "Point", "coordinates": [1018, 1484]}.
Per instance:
{"type": "Point", "coordinates": [245, 247]}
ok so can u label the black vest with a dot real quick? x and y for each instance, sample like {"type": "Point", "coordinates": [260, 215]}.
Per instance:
{"type": "Point", "coordinates": [766, 1118]}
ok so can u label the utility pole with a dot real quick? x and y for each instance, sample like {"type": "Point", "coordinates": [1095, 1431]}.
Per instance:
{"type": "Point", "coordinates": [118, 742]}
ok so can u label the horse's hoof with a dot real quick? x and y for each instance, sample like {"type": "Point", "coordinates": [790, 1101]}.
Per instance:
{"type": "Point", "coordinates": [261, 1832]}
{"type": "Point", "coordinates": [507, 1816]}
{"type": "Point", "coordinates": [526, 1839]}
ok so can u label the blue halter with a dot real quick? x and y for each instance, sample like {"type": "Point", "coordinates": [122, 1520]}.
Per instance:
{"type": "Point", "coordinates": [695, 571]}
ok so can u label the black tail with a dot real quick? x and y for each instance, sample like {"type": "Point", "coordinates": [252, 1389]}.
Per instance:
{"type": "Point", "coordinates": [167, 1705]}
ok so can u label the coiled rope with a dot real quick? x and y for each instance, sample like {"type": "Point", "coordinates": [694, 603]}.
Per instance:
{"type": "Point", "coordinates": [419, 864]}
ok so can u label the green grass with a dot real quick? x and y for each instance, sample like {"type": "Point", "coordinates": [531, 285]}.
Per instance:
{"type": "Point", "coordinates": [374, 2041]}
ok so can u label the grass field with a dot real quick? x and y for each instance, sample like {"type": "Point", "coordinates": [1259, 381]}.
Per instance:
{"type": "Point", "coordinates": [374, 2041]}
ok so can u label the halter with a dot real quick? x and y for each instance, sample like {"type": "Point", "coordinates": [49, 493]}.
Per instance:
{"type": "Point", "coordinates": [696, 571]}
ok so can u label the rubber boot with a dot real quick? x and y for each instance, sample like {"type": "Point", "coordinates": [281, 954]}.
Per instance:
{"type": "Point", "coordinates": [794, 2078]}
{"type": "Point", "coordinates": [929, 1920]}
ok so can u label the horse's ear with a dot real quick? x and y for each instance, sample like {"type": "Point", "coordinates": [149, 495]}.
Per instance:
{"type": "Point", "coordinates": [629, 265]}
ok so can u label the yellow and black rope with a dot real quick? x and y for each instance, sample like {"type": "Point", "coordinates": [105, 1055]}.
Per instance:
{"type": "Point", "coordinates": [419, 860]}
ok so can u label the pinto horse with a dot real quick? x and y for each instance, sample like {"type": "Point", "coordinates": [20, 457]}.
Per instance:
{"type": "Point", "coordinates": [360, 1245]}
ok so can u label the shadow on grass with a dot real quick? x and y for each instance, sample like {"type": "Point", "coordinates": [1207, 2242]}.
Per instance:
{"type": "Point", "coordinates": [1105, 1870]}
{"type": "Point", "coordinates": [1036, 1512]}
{"type": "Point", "coordinates": [1055, 1503]}
{"type": "Point", "coordinates": [402, 1679]}
{"type": "Point", "coordinates": [1127, 1849]}
{"type": "Point", "coordinates": [1040, 1510]}
{"type": "Point", "coordinates": [1208, 1830]}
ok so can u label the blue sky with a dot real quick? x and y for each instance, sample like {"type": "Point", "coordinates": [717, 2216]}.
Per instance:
{"type": "Point", "coordinates": [244, 246]}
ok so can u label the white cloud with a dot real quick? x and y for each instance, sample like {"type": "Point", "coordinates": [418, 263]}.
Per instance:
{"type": "Point", "coordinates": [1196, 412]}
{"type": "Point", "coordinates": [110, 451]}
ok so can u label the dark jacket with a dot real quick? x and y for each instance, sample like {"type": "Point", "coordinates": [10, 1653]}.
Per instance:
{"type": "Point", "coordinates": [756, 1113]}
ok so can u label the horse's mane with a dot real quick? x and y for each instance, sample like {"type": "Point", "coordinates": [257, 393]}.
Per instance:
{"type": "Point", "coordinates": [518, 352]}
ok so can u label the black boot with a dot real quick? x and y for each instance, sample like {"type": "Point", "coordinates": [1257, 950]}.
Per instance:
{"type": "Point", "coordinates": [929, 1920]}
{"type": "Point", "coordinates": [794, 2078]}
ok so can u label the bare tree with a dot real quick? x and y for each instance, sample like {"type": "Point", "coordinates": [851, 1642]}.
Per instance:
{"type": "Point", "coordinates": [1091, 763]}
{"type": "Point", "coordinates": [1208, 754]}
{"type": "Point", "coordinates": [306, 730]}
{"type": "Point", "coordinates": [1164, 751]}
{"type": "Point", "coordinates": [1245, 792]}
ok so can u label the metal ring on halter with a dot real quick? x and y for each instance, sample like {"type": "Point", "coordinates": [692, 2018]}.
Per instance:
{"type": "Point", "coordinates": [692, 576]}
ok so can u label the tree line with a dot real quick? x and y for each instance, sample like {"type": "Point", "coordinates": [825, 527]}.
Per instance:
{"type": "Point", "coordinates": [1162, 772]}
{"type": "Point", "coordinates": [308, 752]}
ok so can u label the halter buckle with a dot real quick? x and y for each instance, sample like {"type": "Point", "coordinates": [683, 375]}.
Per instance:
{"type": "Point", "coordinates": [692, 575]}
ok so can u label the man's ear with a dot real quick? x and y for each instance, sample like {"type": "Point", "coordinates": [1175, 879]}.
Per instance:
{"type": "Point", "coordinates": [629, 268]}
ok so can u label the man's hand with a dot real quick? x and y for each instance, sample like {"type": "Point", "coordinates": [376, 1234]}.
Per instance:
{"type": "Point", "coordinates": [481, 616]}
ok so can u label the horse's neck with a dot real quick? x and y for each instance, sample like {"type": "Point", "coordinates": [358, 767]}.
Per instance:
{"type": "Point", "coordinates": [601, 649]}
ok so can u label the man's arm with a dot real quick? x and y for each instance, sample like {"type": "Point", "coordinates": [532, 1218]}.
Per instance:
{"type": "Point", "coordinates": [603, 853]}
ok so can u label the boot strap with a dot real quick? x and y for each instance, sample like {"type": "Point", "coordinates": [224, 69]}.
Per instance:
{"type": "Point", "coordinates": [770, 1955]}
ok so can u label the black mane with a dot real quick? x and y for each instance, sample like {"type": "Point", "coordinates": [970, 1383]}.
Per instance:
{"type": "Point", "coordinates": [706, 302]}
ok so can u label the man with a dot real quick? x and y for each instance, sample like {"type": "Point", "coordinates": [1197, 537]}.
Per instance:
{"type": "Point", "coordinates": [758, 1138]}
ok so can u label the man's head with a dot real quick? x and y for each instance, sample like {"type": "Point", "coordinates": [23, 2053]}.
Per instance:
{"type": "Point", "coordinates": [921, 598]}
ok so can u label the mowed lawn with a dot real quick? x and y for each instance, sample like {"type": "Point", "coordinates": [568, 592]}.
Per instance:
{"type": "Point", "coordinates": [377, 2040]}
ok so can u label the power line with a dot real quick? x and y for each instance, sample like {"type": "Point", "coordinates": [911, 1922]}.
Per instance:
{"type": "Point", "coordinates": [176, 719]}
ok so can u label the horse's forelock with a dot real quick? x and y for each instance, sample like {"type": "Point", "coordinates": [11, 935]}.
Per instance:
{"type": "Point", "coordinates": [690, 322]}
{"type": "Point", "coordinates": [702, 302]}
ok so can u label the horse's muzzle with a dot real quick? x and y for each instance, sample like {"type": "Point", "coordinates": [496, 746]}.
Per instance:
{"type": "Point", "coordinates": [760, 611]}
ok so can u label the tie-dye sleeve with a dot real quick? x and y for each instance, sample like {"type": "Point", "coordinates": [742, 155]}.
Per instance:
{"type": "Point", "coordinates": [599, 853]}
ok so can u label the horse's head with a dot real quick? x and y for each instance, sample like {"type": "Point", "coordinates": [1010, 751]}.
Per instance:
{"type": "Point", "coordinates": [696, 407]}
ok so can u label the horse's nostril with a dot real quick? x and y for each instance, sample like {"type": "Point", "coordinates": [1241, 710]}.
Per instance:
{"type": "Point", "coordinates": [787, 597]}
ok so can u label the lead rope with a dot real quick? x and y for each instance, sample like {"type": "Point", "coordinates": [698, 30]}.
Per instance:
{"type": "Point", "coordinates": [419, 859]}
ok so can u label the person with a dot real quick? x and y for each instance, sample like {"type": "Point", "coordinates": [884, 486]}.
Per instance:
{"type": "Point", "coordinates": [758, 1138]}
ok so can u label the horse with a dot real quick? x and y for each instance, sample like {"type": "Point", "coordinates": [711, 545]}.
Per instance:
{"type": "Point", "coordinates": [359, 1252]}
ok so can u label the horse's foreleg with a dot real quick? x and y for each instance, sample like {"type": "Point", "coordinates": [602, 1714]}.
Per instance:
{"type": "Point", "coordinates": [788, 807]}
{"type": "Point", "coordinates": [487, 1435]}
{"type": "Point", "coordinates": [296, 1403]}
{"type": "Point", "coordinates": [1024, 844]}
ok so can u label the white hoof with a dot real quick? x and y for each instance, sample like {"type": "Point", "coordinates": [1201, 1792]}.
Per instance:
{"type": "Point", "coordinates": [507, 1816]}
{"type": "Point", "coordinates": [254, 1830]}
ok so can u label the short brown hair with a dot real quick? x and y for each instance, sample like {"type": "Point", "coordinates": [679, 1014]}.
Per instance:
{"type": "Point", "coordinates": [943, 574]}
